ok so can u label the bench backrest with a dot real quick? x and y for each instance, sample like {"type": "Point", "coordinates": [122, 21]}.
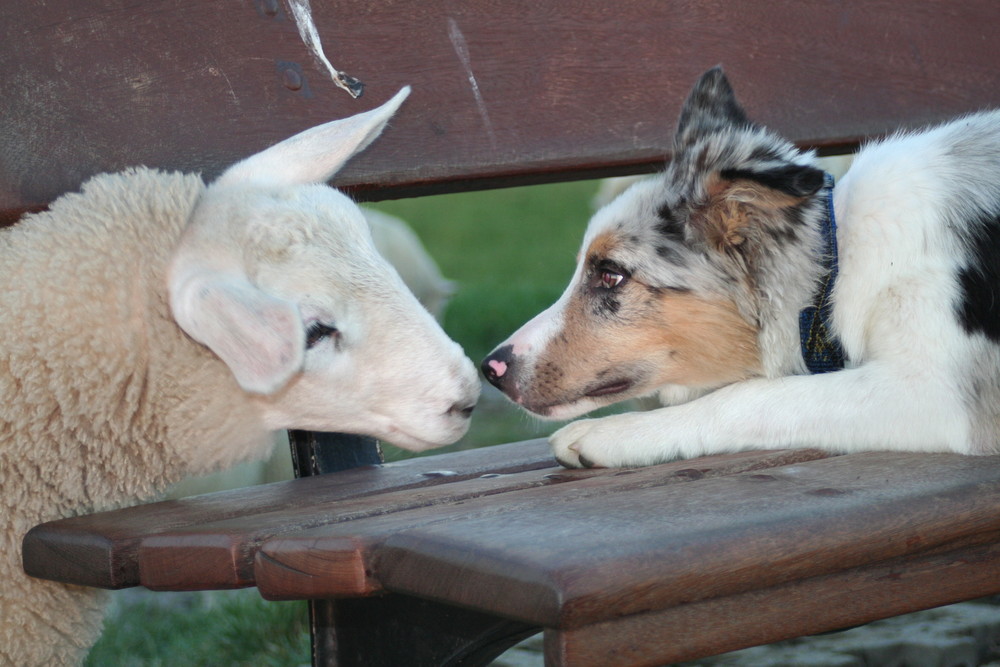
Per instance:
{"type": "Point", "coordinates": [504, 93]}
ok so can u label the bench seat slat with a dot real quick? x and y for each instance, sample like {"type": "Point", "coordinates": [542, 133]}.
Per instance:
{"type": "Point", "coordinates": [795, 609]}
{"type": "Point", "coordinates": [330, 560]}
{"type": "Point", "coordinates": [221, 554]}
{"type": "Point", "coordinates": [100, 549]}
{"type": "Point", "coordinates": [566, 564]}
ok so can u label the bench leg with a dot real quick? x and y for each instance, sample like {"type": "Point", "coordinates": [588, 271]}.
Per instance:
{"type": "Point", "coordinates": [322, 453]}
{"type": "Point", "coordinates": [318, 454]}
{"type": "Point", "coordinates": [396, 630]}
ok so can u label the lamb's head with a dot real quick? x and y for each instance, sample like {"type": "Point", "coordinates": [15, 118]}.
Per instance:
{"type": "Point", "coordinates": [278, 275]}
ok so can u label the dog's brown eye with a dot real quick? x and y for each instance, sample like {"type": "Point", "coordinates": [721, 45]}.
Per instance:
{"type": "Point", "coordinates": [610, 279]}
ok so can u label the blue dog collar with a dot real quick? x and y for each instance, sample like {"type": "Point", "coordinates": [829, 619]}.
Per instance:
{"type": "Point", "coordinates": [820, 349]}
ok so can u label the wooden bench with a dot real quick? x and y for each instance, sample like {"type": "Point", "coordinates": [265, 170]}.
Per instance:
{"type": "Point", "coordinates": [448, 560]}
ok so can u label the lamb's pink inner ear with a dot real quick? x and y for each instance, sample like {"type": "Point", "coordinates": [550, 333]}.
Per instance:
{"type": "Point", "coordinates": [259, 337]}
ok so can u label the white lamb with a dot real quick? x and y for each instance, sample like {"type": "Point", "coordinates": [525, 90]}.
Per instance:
{"type": "Point", "coordinates": [155, 327]}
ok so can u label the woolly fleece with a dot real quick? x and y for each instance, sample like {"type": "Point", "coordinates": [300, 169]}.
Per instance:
{"type": "Point", "coordinates": [104, 401]}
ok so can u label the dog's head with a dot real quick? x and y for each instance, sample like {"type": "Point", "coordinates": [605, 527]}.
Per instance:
{"type": "Point", "coordinates": [685, 280]}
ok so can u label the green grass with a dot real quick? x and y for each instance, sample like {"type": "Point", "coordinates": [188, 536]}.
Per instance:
{"type": "Point", "coordinates": [214, 629]}
{"type": "Point", "coordinates": [511, 253]}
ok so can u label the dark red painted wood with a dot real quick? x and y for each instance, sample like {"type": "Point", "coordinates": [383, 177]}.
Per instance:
{"type": "Point", "coordinates": [221, 554]}
{"type": "Point", "coordinates": [504, 93]}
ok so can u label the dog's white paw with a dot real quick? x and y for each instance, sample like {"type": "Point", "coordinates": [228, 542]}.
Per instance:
{"type": "Point", "coordinates": [608, 442]}
{"type": "Point", "coordinates": [567, 443]}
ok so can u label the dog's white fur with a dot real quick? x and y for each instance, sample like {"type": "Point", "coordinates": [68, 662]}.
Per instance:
{"type": "Point", "coordinates": [917, 378]}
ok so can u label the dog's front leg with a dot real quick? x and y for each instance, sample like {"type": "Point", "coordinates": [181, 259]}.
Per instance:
{"type": "Point", "coordinates": [871, 407]}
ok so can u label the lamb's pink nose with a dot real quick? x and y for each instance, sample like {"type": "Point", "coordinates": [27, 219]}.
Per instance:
{"type": "Point", "coordinates": [496, 365]}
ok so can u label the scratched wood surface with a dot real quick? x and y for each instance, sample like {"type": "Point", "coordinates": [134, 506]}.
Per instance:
{"type": "Point", "coordinates": [504, 93]}
{"type": "Point", "coordinates": [339, 559]}
{"type": "Point", "coordinates": [211, 541]}
{"type": "Point", "coordinates": [101, 549]}
{"type": "Point", "coordinates": [622, 570]}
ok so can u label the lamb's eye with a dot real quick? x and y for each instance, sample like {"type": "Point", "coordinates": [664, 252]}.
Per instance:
{"type": "Point", "coordinates": [610, 279]}
{"type": "Point", "coordinates": [316, 332]}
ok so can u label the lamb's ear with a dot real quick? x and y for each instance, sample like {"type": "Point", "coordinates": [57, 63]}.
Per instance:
{"type": "Point", "coordinates": [315, 155]}
{"type": "Point", "coordinates": [258, 336]}
{"type": "Point", "coordinates": [710, 105]}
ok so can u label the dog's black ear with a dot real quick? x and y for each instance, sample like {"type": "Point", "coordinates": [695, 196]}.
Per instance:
{"type": "Point", "coordinates": [795, 180]}
{"type": "Point", "coordinates": [710, 105]}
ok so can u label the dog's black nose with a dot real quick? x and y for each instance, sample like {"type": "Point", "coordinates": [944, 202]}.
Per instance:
{"type": "Point", "coordinates": [496, 367]}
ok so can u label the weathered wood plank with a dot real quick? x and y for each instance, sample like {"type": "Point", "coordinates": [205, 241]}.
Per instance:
{"type": "Point", "coordinates": [503, 93]}
{"type": "Point", "coordinates": [100, 549]}
{"type": "Point", "coordinates": [799, 608]}
{"type": "Point", "coordinates": [567, 564]}
{"type": "Point", "coordinates": [345, 558]}
{"type": "Point", "coordinates": [221, 554]}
